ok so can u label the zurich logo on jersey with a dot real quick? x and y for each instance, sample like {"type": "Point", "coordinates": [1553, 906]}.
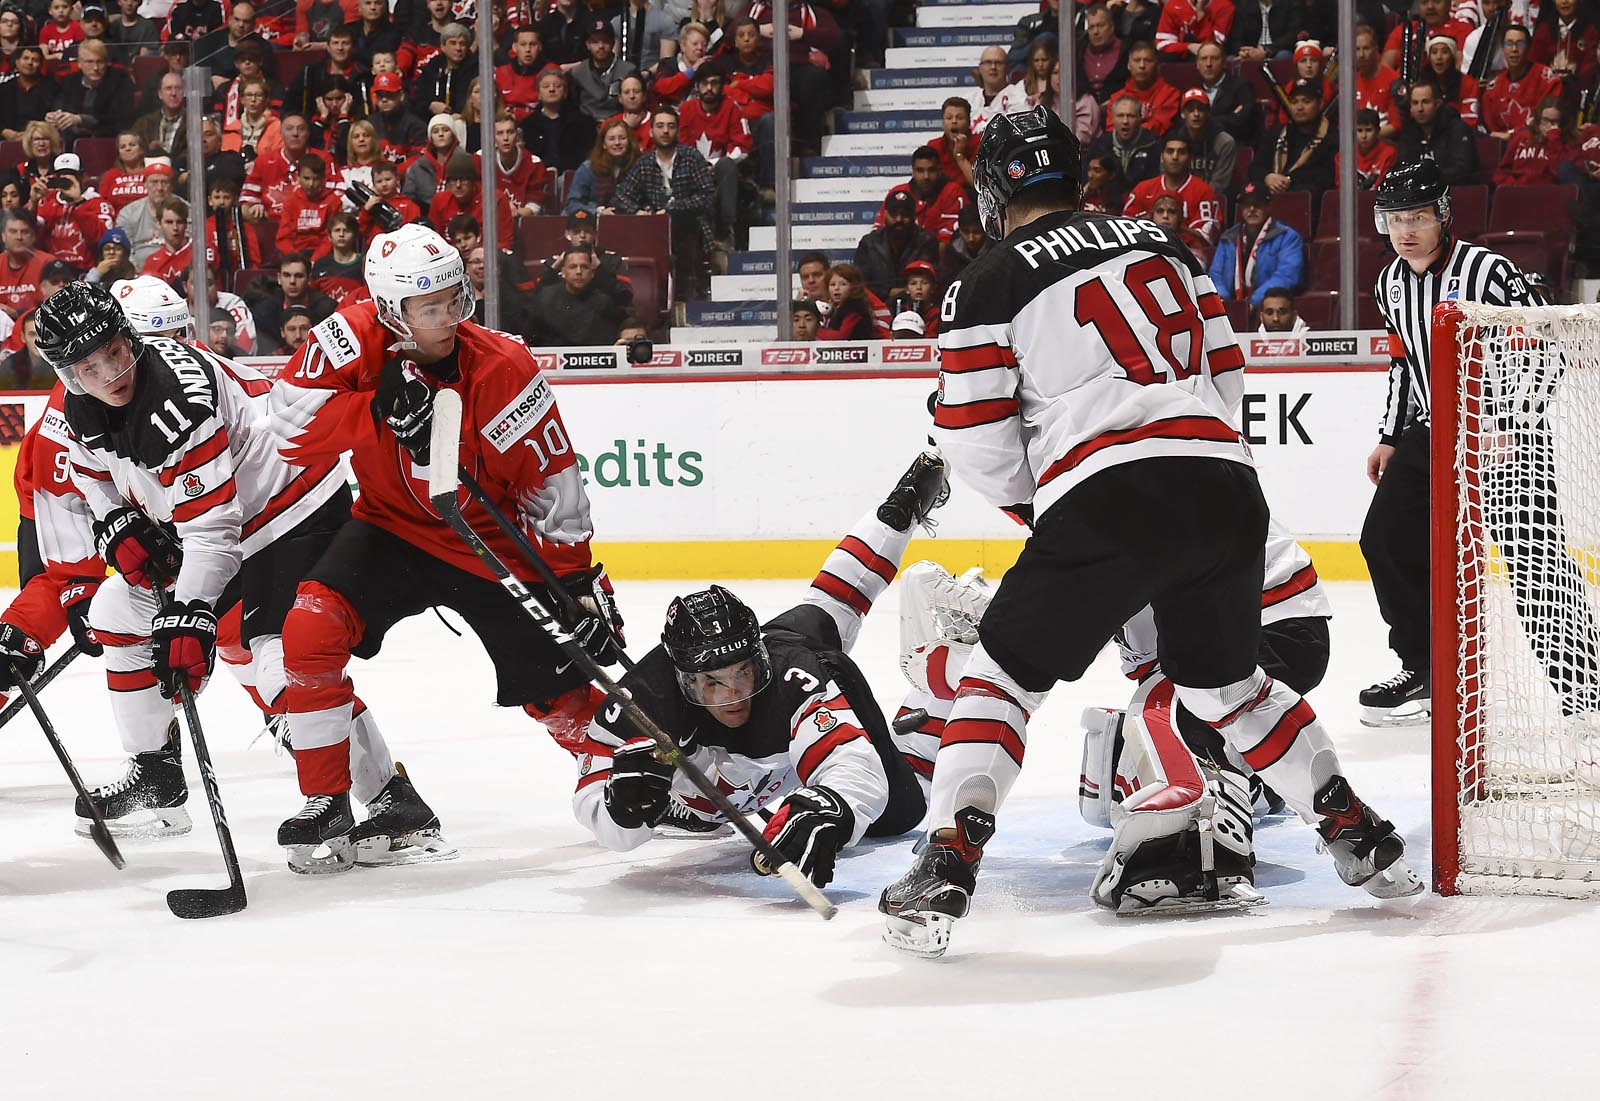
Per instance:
{"type": "Point", "coordinates": [155, 322]}
{"type": "Point", "coordinates": [1015, 170]}
{"type": "Point", "coordinates": [423, 282]}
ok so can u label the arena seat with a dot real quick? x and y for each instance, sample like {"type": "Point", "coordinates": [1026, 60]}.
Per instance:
{"type": "Point", "coordinates": [1319, 309]}
{"type": "Point", "coordinates": [1238, 313]}
{"type": "Point", "coordinates": [1532, 206]}
{"type": "Point", "coordinates": [290, 62]}
{"type": "Point", "coordinates": [1531, 250]}
{"type": "Point", "coordinates": [649, 289]}
{"type": "Point", "coordinates": [1243, 156]}
{"type": "Point", "coordinates": [267, 239]}
{"type": "Point", "coordinates": [1322, 263]}
{"type": "Point", "coordinates": [1182, 75]}
{"type": "Point", "coordinates": [145, 67]}
{"type": "Point", "coordinates": [539, 238]}
{"type": "Point", "coordinates": [1292, 208]}
{"type": "Point", "coordinates": [643, 236]}
{"type": "Point", "coordinates": [1469, 210]}
{"type": "Point", "coordinates": [11, 155]}
{"type": "Point", "coordinates": [1328, 213]}
{"type": "Point", "coordinates": [95, 155]}
{"type": "Point", "coordinates": [1489, 149]}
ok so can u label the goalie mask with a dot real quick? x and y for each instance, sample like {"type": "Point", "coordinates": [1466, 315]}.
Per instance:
{"type": "Point", "coordinates": [1413, 186]}
{"type": "Point", "coordinates": [1018, 150]}
{"type": "Point", "coordinates": [153, 308]}
{"type": "Point", "coordinates": [411, 262]}
{"type": "Point", "coordinates": [717, 652]}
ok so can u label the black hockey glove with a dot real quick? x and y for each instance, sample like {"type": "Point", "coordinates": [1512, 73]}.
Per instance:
{"type": "Point", "coordinates": [19, 651]}
{"type": "Point", "coordinates": [811, 826]}
{"type": "Point", "coordinates": [404, 402]}
{"type": "Point", "coordinates": [75, 598]}
{"type": "Point", "coordinates": [599, 631]}
{"type": "Point", "coordinates": [141, 550]}
{"type": "Point", "coordinates": [639, 788]}
{"type": "Point", "coordinates": [185, 642]}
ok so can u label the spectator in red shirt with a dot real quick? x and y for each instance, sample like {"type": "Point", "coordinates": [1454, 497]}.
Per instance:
{"type": "Point", "coordinates": [1202, 211]}
{"type": "Point", "coordinates": [1374, 156]}
{"type": "Point", "coordinates": [123, 182]}
{"type": "Point", "coordinates": [462, 196]}
{"type": "Point", "coordinates": [74, 219]}
{"type": "Point", "coordinates": [1158, 100]}
{"type": "Point", "coordinates": [1375, 83]}
{"type": "Point", "coordinates": [1435, 16]}
{"type": "Point", "coordinates": [518, 79]}
{"type": "Point", "coordinates": [1186, 25]}
{"type": "Point", "coordinates": [714, 125]}
{"type": "Point", "coordinates": [20, 269]}
{"type": "Point", "coordinates": [1566, 41]}
{"type": "Point", "coordinates": [385, 189]}
{"type": "Point", "coordinates": [1534, 155]}
{"type": "Point", "coordinates": [954, 147]}
{"type": "Point", "coordinates": [939, 199]}
{"type": "Point", "coordinates": [306, 209]}
{"type": "Point", "coordinates": [231, 243]}
{"type": "Point", "coordinates": [1511, 98]}
{"type": "Point", "coordinates": [675, 77]}
{"type": "Point", "coordinates": [57, 36]}
{"type": "Point", "coordinates": [853, 315]}
{"type": "Point", "coordinates": [272, 176]}
{"type": "Point", "coordinates": [522, 177]}
{"type": "Point", "coordinates": [170, 261]}
{"type": "Point", "coordinates": [631, 97]}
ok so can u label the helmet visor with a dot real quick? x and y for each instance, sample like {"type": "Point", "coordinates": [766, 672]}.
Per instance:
{"type": "Point", "coordinates": [729, 684]}
{"type": "Point", "coordinates": [100, 370]}
{"type": "Point", "coordinates": [1422, 216]}
{"type": "Point", "coordinates": [441, 309]}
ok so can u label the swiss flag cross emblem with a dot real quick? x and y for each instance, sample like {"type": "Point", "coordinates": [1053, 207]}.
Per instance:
{"type": "Point", "coordinates": [388, 247]}
{"type": "Point", "coordinates": [192, 486]}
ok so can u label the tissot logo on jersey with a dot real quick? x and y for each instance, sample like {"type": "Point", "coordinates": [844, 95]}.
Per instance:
{"type": "Point", "coordinates": [338, 340]}
{"type": "Point", "coordinates": [525, 411]}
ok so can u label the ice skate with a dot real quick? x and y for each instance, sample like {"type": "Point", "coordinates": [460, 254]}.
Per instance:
{"type": "Point", "coordinates": [1177, 876]}
{"type": "Point", "coordinates": [680, 823]}
{"type": "Point", "coordinates": [400, 828]}
{"type": "Point", "coordinates": [1366, 850]}
{"type": "Point", "coordinates": [921, 489]}
{"type": "Point", "coordinates": [923, 904]}
{"type": "Point", "coordinates": [323, 824]}
{"type": "Point", "coordinates": [149, 799]}
{"type": "Point", "coordinates": [1405, 699]}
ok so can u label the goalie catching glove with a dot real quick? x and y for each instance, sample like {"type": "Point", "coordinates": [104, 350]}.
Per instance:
{"type": "Point", "coordinates": [141, 550]}
{"type": "Point", "coordinates": [75, 598]}
{"type": "Point", "coordinates": [599, 632]}
{"type": "Point", "coordinates": [184, 637]}
{"type": "Point", "coordinates": [639, 789]}
{"type": "Point", "coordinates": [809, 829]}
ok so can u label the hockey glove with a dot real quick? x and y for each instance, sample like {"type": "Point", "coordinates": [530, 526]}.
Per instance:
{"type": "Point", "coordinates": [404, 402]}
{"type": "Point", "coordinates": [144, 552]}
{"type": "Point", "coordinates": [75, 598]}
{"type": "Point", "coordinates": [639, 788]}
{"type": "Point", "coordinates": [600, 631]}
{"type": "Point", "coordinates": [811, 826]}
{"type": "Point", "coordinates": [184, 638]}
{"type": "Point", "coordinates": [19, 651]}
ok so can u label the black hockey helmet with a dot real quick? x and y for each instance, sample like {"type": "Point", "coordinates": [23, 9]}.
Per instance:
{"type": "Point", "coordinates": [74, 323]}
{"type": "Point", "coordinates": [1019, 149]}
{"type": "Point", "coordinates": [1411, 186]}
{"type": "Point", "coordinates": [712, 631]}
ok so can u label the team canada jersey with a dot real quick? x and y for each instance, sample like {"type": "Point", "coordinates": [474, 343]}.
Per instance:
{"type": "Point", "coordinates": [802, 731]}
{"type": "Point", "coordinates": [1202, 212]}
{"type": "Point", "coordinates": [513, 441]}
{"type": "Point", "coordinates": [193, 448]}
{"type": "Point", "coordinates": [1081, 342]}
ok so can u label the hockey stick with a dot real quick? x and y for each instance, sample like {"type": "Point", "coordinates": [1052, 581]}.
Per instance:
{"type": "Point", "coordinates": [443, 481]}
{"type": "Point", "coordinates": [203, 902]}
{"type": "Point", "coordinates": [40, 681]}
{"type": "Point", "coordinates": [98, 831]}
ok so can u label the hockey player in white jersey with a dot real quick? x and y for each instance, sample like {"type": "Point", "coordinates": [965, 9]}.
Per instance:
{"type": "Point", "coordinates": [187, 491]}
{"type": "Point", "coordinates": [1082, 363]}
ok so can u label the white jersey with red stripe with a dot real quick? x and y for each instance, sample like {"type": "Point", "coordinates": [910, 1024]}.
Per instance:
{"type": "Point", "coordinates": [193, 449]}
{"type": "Point", "coordinates": [802, 731]}
{"type": "Point", "coordinates": [1081, 342]}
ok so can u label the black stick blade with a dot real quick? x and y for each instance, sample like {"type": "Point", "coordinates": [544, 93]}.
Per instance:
{"type": "Point", "coordinates": [108, 845]}
{"type": "Point", "coordinates": [197, 902]}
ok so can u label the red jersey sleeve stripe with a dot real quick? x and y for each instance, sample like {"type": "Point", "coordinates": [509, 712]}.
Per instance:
{"type": "Point", "coordinates": [842, 591]}
{"type": "Point", "coordinates": [286, 497]}
{"type": "Point", "coordinates": [1211, 306]}
{"type": "Point", "coordinates": [1223, 360]}
{"type": "Point", "coordinates": [836, 702]}
{"type": "Point", "coordinates": [979, 357]}
{"type": "Point", "coordinates": [196, 457]}
{"type": "Point", "coordinates": [1304, 578]}
{"type": "Point", "coordinates": [253, 387]}
{"type": "Point", "coordinates": [869, 558]}
{"type": "Point", "coordinates": [136, 681]}
{"type": "Point", "coordinates": [97, 475]}
{"type": "Point", "coordinates": [813, 758]}
{"type": "Point", "coordinates": [983, 732]}
{"type": "Point", "coordinates": [1173, 428]}
{"type": "Point", "coordinates": [976, 413]}
{"type": "Point", "coordinates": [918, 765]}
{"type": "Point", "coordinates": [592, 778]}
{"type": "Point", "coordinates": [191, 510]}
{"type": "Point", "coordinates": [1270, 750]}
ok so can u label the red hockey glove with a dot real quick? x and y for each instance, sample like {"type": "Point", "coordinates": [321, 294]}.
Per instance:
{"type": "Point", "coordinates": [185, 641]}
{"type": "Point", "coordinates": [140, 549]}
{"type": "Point", "coordinates": [75, 598]}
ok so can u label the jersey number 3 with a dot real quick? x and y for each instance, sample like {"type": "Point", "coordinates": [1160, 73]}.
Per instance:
{"type": "Point", "coordinates": [1133, 352]}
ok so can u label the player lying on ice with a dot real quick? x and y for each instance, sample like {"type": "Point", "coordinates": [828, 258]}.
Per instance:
{"type": "Point", "coordinates": [364, 382]}
{"type": "Point", "coordinates": [151, 456]}
{"type": "Point", "coordinates": [1083, 364]}
{"type": "Point", "coordinates": [774, 714]}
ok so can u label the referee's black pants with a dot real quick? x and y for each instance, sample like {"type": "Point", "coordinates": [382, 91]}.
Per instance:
{"type": "Point", "coordinates": [1394, 541]}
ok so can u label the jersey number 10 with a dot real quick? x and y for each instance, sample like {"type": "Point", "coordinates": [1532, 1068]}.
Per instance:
{"type": "Point", "coordinates": [1096, 307]}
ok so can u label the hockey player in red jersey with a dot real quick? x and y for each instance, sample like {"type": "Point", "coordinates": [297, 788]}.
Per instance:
{"type": "Point", "coordinates": [1143, 495]}
{"type": "Point", "coordinates": [364, 382]}
{"type": "Point", "coordinates": [776, 714]}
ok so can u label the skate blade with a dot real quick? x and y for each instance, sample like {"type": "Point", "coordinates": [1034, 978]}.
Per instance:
{"type": "Point", "coordinates": [417, 847]}
{"type": "Point", "coordinates": [1415, 713]}
{"type": "Point", "coordinates": [147, 825]}
{"type": "Point", "coordinates": [339, 856]}
{"type": "Point", "coordinates": [1240, 897]}
{"type": "Point", "coordinates": [926, 936]}
{"type": "Point", "coordinates": [675, 833]}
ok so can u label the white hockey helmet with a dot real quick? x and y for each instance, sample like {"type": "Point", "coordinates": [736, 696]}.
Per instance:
{"type": "Point", "coordinates": [152, 307]}
{"type": "Point", "coordinates": [411, 261]}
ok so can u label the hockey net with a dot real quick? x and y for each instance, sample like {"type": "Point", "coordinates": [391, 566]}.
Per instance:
{"type": "Point", "coordinates": [1516, 566]}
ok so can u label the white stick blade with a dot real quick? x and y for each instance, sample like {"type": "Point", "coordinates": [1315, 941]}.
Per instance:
{"type": "Point", "coordinates": [444, 444]}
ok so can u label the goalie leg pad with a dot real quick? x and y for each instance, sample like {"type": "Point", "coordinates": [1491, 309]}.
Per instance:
{"type": "Point", "coordinates": [936, 606]}
{"type": "Point", "coordinates": [1102, 747]}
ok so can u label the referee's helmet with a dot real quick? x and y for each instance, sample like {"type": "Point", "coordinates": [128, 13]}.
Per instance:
{"type": "Point", "coordinates": [1411, 186]}
{"type": "Point", "coordinates": [1019, 149]}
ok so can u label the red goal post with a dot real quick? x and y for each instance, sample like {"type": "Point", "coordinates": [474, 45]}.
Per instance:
{"type": "Point", "coordinates": [1515, 551]}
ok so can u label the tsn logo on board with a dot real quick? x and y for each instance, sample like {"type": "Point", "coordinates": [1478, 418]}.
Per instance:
{"type": "Point", "coordinates": [785, 357]}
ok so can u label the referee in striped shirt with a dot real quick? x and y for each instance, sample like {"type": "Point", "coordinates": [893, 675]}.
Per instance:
{"type": "Point", "coordinates": [1413, 208]}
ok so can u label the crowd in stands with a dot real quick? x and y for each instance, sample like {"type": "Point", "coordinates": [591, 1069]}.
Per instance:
{"type": "Point", "coordinates": [327, 121]}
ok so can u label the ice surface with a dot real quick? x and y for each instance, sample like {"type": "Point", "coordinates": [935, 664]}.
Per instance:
{"type": "Point", "coordinates": [540, 966]}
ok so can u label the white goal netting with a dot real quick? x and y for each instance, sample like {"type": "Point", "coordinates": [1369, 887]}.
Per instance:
{"type": "Point", "coordinates": [1524, 724]}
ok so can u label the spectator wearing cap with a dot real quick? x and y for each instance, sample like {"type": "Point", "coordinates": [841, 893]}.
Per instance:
{"type": "Point", "coordinates": [442, 84]}
{"type": "Point", "coordinates": [293, 291]}
{"type": "Point", "coordinates": [21, 268]}
{"type": "Point", "coordinates": [462, 195]}
{"type": "Point", "coordinates": [921, 280]}
{"type": "Point", "coordinates": [111, 261]}
{"type": "Point", "coordinates": [130, 34]}
{"type": "Point", "coordinates": [573, 312]}
{"type": "Point", "coordinates": [1434, 131]}
{"type": "Point", "coordinates": [938, 200]}
{"type": "Point", "coordinates": [1158, 100]}
{"type": "Point", "coordinates": [805, 320]}
{"type": "Point", "coordinates": [1256, 253]}
{"type": "Point", "coordinates": [646, 35]}
{"type": "Point", "coordinates": [306, 208]}
{"type": "Point", "coordinates": [1201, 210]}
{"type": "Point", "coordinates": [1136, 150]}
{"type": "Point", "coordinates": [714, 125]}
{"type": "Point", "coordinates": [885, 251]}
{"type": "Point", "coordinates": [1264, 30]}
{"type": "Point", "coordinates": [1374, 156]}
{"type": "Point", "coordinates": [74, 217]}
{"type": "Point", "coordinates": [1297, 155]}
{"type": "Point", "coordinates": [557, 132]}
{"type": "Point", "coordinates": [163, 132]}
{"type": "Point", "coordinates": [311, 82]}
{"type": "Point", "coordinates": [908, 325]}
{"type": "Point", "coordinates": [1186, 25]}
{"type": "Point", "coordinates": [1459, 89]}
{"type": "Point", "coordinates": [94, 21]}
{"type": "Point", "coordinates": [373, 32]}
{"type": "Point", "coordinates": [1278, 314]}
{"type": "Point", "coordinates": [969, 243]}
{"type": "Point", "coordinates": [28, 95]}
{"type": "Point", "coordinates": [97, 101]}
{"type": "Point", "coordinates": [596, 81]}
{"type": "Point", "coordinates": [1233, 102]}
{"type": "Point", "coordinates": [192, 19]}
{"type": "Point", "coordinates": [674, 179]}
{"type": "Point", "coordinates": [1309, 62]}
{"type": "Point", "coordinates": [517, 80]}
{"type": "Point", "coordinates": [1213, 153]}
{"type": "Point", "coordinates": [611, 270]}
{"type": "Point", "coordinates": [1508, 104]}
{"type": "Point", "coordinates": [401, 133]}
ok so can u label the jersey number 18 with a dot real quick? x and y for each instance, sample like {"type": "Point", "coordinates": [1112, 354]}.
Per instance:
{"type": "Point", "coordinates": [1095, 306]}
